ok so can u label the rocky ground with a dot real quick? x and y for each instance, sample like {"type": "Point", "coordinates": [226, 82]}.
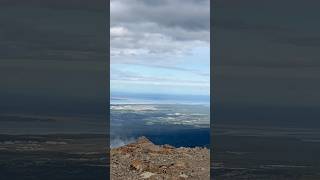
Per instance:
{"type": "Point", "coordinates": [145, 160]}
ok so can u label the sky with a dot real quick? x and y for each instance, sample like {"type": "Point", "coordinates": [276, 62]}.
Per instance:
{"type": "Point", "coordinates": [160, 47]}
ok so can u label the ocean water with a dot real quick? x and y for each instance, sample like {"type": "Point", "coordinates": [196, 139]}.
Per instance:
{"type": "Point", "coordinates": [127, 98]}
{"type": "Point", "coordinates": [186, 125]}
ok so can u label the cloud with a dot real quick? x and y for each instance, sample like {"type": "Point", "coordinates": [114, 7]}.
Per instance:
{"type": "Point", "coordinates": [148, 30]}
{"type": "Point", "coordinates": [192, 14]}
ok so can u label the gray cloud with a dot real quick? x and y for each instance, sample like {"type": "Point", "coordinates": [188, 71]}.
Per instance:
{"type": "Point", "coordinates": [192, 15]}
{"type": "Point", "coordinates": [149, 28]}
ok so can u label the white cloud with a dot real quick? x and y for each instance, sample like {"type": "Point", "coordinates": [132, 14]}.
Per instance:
{"type": "Point", "coordinates": [118, 31]}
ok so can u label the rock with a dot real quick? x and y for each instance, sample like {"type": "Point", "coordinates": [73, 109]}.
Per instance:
{"type": "Point", "coordinates": [167, 146]}
{"type": "Point", "coordinates": [180, 164]}
{"type": "Point", "coordinates": [183, 176]}
{"type": "Point", "coordinates": [147, 175]}
{"type": "Point", "coordinates": [145, 160]}
{"type": "Point", "coordinates": [136, 165]}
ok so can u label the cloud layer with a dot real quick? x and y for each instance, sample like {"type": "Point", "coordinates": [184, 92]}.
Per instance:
{"type": "Point", "coordinates": [153, 28]}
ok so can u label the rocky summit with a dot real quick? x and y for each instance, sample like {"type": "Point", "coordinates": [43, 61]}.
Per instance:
{"type": "Point", "coordinates": [145, 160]}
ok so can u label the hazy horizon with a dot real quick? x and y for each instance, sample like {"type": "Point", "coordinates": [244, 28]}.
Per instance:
{"type": "Point", "coordinates": [153, 98]}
